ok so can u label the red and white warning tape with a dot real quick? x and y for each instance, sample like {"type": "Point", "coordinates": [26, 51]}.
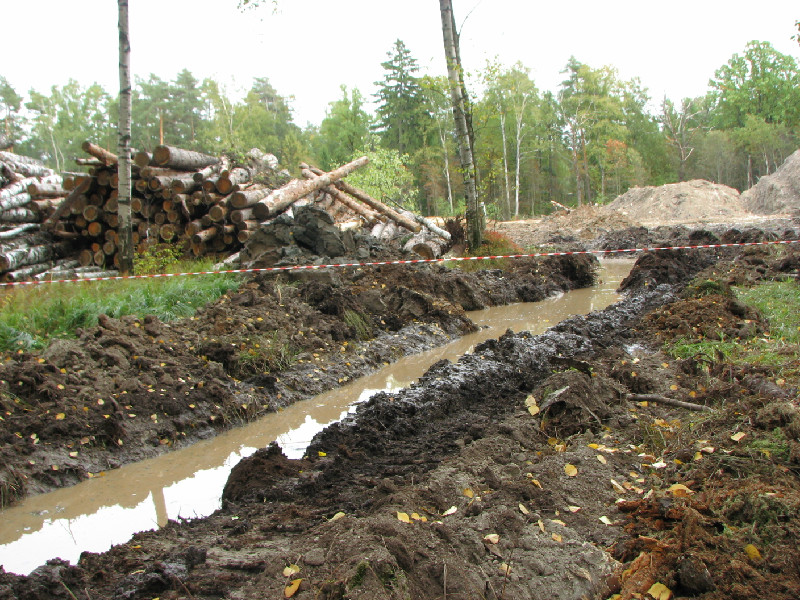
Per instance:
{"type": "Point", "coordinates": [401, 262]}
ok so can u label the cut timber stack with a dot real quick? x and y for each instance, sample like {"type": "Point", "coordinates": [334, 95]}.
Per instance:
{"type": "Point", "coordinates": [66, 226]}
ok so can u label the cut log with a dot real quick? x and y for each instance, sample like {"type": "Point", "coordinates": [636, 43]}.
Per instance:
{"type": "Point", "coordinates": [15, 201]}
{"type": "Point", "coordinates": [282, 198]}
{"type": "Point", "coordinates": [239, 216]}
{"type": "Point", "coordinates": [19, 215]}
{"type": "Point", "coordinates": [369, 216]}
{"type": "Point", "coordinates": [46, 190]}
{"type": "Point", "coordinates": [66, 205]}
{"type": "Point", "coordinates": [426, 245]}
{"type": "Point", "coordinates": [25, 165]}
{"type": "Point", "coordinates": [370, 201]}
{"type": "Point", "coordinates": [14, 189]}
{"type": "Point", "coordinates": [225, 185]}
{"type": "Point", "coordinates": [12, 233]}
{"type": "Point", "coordinates": [32, 255]}
{"type": "Point", "coordinates": [143, 159]}
{"type": "Point", "coordinates": [249, 197]}
{"type": "Point", "coordinates": [178, 158]}
{"type": "Point", "coordinates": [204, 236]}
{"type": "Point", "coordinates": [101, 154]}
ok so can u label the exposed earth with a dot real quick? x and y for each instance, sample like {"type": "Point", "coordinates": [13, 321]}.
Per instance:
{"type": "Point", "coordinates": [536, 467]}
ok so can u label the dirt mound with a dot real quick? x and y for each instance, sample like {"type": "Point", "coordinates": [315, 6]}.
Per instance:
{"type": "Point", "coordinates": [778, 193]}
{"type": "Point", "coordinates": [695, 201]}
{"type": "Point", "coordinates": [574, 227]}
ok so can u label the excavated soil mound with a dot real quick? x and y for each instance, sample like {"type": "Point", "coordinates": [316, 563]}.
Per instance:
{"type": "Point", "coordinates": [778, 193]}
{"type": "Point", "coordinates": [695, 201]}
{"type": "Point", "coordinates": [578, 226]}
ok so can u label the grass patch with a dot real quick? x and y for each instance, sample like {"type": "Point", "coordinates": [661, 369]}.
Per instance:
{"type": "Point", "coordinates": [32, 316]}
{"type": "Point", "coordinates": [494, 244]}
{"type": "Point", "coordinates": [779, 303]}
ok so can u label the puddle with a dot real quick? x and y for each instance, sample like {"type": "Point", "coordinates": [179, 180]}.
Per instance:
{"type": "Point", "coordinates": [98, 513]}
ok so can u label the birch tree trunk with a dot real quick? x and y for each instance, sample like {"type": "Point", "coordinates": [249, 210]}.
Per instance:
{"type": "Point", "coordinates": [124, 238]}
{"type": "Point", "coordinates": [505, 161]}
{"type": "Point", "coordinates": [460, 114]}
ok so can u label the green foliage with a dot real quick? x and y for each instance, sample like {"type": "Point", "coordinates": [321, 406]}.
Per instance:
{"type": "Point", "coordinates": [31, 317]}
{"type": "Point", "coordinates": [64, 119]}
{"type": "Point", "coordinates": [343, 131]}
{"type": "Point", "coordinates": [386, 177]}
{"type": "Point", "coordinates": [403, 121]}
{"type": "Point", "coordinates": [762, 82]}
{"type": "Point", "coordinates": [157, 259]}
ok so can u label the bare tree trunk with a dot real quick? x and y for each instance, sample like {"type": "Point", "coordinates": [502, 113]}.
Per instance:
{"type": "Point", "coordinates": [460, 114]}
{"type": "Point", "coordinates": [124, 234]}
{"type": "Point", "coordinates": [505, 162]}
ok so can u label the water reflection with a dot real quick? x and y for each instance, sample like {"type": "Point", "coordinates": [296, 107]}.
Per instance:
{"type": "Point", "coordinates": [187, 483]}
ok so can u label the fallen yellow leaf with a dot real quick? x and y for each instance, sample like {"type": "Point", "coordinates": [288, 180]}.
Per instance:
{"type": "Point", "coordinates": [660, 592]}
{"type": "Point", "coordinates": [401, 516]}
{"type": "Point", "coordinates": [523, 510]}
{"type": "Point", "coordinates": [504, 569]}
{"type": "Point", "coordinates": [468, 493]}
{"type": "Point", "coordinates": [337, 516]}
{"type": "Point", "coordinates": [291, 570]}
{"type": "Point", "coordinates": [60, 417]}
{"type": "Point", "coordinates": [291, 589]}
{"type": "Point", "coordinates": [602, 459]}
{"type": "Point", "coordinates": [752, 552]}
{"type": "Point", "coordinates": [556, 537]}
{"type": "Point", "coordinates": [737, 437]}
{"type": "Point", "coordinates": [492, 538]}
{"type": "Point", "coordinates": [450, 511]}
{"type": "Point", "coordinates": [322, 454]}
{"type": "Point", "coordinates": [679, 490]}
{"type": "Point", "coordinates": [573, 509]}
{"type": "Point", "coordinates": [605, 520]}
{"type": "Point", "coordinates": [570, 470]}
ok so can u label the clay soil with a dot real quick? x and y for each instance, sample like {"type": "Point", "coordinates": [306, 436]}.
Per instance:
{"type": "Point", "coordinates": [535, 467]}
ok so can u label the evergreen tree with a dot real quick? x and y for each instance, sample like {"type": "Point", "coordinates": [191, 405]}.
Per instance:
{"type": "Point", "coordinates": [403, 123]}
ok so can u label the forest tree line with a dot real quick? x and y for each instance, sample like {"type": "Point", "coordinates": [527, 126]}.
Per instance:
{"type": "Point", "coordinates": [587, 142]}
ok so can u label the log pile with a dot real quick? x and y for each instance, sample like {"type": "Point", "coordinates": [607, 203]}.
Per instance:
{"type": "Point", "coordinates": [66, 225]}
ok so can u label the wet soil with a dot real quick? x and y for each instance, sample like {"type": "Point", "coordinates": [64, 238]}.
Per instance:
{"type": "Point", "coordinates": [530, 468]}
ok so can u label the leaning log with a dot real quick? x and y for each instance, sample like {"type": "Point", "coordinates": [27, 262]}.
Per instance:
{"type": "Point", "coordinates": [178, 158]}
{"type": "Point", "coordinates": [101, 154]}
{"type": "Point", "coordinates": [370, 201]}
{"type": "Point", "coordinates": [369, 216]}
{"type": "Point", "coordinates": [282, 198]}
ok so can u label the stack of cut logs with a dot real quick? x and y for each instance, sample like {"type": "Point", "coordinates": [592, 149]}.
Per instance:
{"type": "Point", "coordinates": [66, 227]}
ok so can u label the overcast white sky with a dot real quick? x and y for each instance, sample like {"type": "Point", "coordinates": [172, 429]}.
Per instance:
{"type": "Point", "coordinates": [308, 49]}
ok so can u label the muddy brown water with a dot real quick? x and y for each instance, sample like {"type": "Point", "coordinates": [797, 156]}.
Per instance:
{"type": "Point", "coordinates": [187, 483]}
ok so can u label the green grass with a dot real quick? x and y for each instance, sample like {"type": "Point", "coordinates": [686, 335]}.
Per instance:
{"type": "Point", "coordinates": [32, 316]}
{"type": "Point", "coordinates": [779, 303]}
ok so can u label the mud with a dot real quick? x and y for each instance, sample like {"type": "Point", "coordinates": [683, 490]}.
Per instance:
{"type": "Point", "coordinates": [522, 470]}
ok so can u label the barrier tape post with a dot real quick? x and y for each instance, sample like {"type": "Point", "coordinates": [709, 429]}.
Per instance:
{"type": "Point", "coordinates": [397, 262]}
